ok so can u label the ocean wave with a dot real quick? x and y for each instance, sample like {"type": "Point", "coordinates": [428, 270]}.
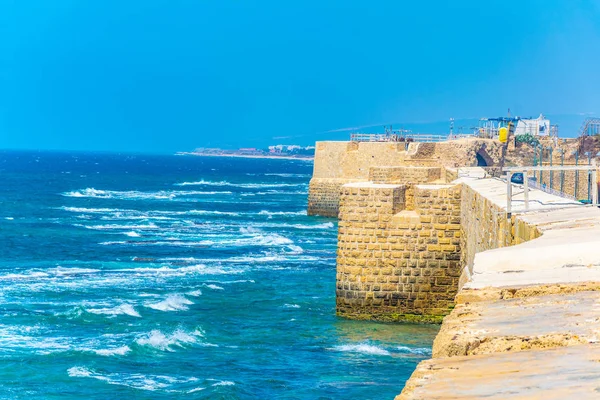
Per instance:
{"type": "Point", "coordinates": [63, 271]}
{"type": "Point", "coordinates": [273, 213]}
{"type": "Point", "coordinates": [291, 175]}
{"type": "Point", "coordinates": [123, 309]}
{"type": "Point", "coordinates": [197, 269]}
{"type": "Point", "coordinates": [363, 348]}
{"type": "Point", "coordinates": [132, 234]}
{"type": "Point", "coordinates": [117, 351]}
{"type": "Point", "coordinates": [271, 239]}
{"type": "Point", "coordinates": [209, 212]}
{"type": "Point", "coordinates": [294, 249]}
{"type": "Point", "coordinates": [414, 350]}
{"type": "Point", "coordinates": [277, 192]}
{"type": "Point", "coordinates": [173, 302]}
{"type": "Point", "coordinates": [24, 276]}
{"type": "Point", "coordinates": [135, 381]}
{"type": "Point", "coordinates": [224, 383]}
{"type": "Point", "coordinates": [167, 215]}
{"type": "Point", "coordinates": [119, 227]}
{"type": "Point", "coordinates": [325, 225]}
{"type": "Point", "coordinates": [240, 185]}
{"type": "Point", "coordinates": [214, 287]}
{"type": "Point", "coordinates": [291, 306]}
{"type": "Point", "coordinates": [179, 338]}
{"type": "Point", "coordinates": [48, 273]}
{"type": "Point", "coordinates": [92, 210]}
{"type": "Point", "coordinates": [249, 230]}
{"type": "Point", "coordinates": [136, 195]}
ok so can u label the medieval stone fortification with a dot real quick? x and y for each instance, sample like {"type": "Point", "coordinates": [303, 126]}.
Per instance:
{"type": "Point", "coordinates": [338, 163]}
{"type": "Point", "coordinates": [418, 242]}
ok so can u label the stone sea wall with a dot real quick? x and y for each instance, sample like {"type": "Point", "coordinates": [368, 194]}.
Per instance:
{"type": "Point", "coordinates": [338, 163]}
{"type": "Point", "coordinates": [398, 255]}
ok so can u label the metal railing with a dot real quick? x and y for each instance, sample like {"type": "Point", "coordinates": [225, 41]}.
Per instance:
{"type": "Point", "coordinates": [530, 182]}
{"type": "Point", "coordinates": [407, 137]}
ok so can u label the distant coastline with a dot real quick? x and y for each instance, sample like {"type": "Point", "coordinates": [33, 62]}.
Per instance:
{"type": "Point", "coordinates": [282, 157]}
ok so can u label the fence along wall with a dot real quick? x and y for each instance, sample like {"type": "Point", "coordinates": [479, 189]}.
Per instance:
{"type": "Point", "coordinates": [484, 226]}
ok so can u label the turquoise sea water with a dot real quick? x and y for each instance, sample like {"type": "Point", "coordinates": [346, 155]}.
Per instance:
{"type": "Point", "coordinates": [179, 277]}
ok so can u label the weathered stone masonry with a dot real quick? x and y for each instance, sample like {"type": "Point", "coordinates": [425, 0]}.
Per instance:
{"type": "Point", "coordinates": [398, 256]}
{"type": "Point", "coordinates": [339, 163]}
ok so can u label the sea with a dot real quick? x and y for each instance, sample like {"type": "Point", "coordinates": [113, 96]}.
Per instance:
{"type": "Point", "coordinates": [179, 277]}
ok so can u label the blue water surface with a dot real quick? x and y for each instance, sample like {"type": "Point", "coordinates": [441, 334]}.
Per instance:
{"type": "Point", "coordinates": [148, 277]}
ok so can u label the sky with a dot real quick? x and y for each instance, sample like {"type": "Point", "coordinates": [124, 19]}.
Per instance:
{"type": "Point", "coordinates": [174, 75]}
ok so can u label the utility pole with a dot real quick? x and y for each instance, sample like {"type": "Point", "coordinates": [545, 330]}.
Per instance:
{"type": "Point", "coordinates": [551, 172]}
{"type": "Point", "coordinates": [576, 154]}
{"type": "Point", "coordinates": [562, 172]}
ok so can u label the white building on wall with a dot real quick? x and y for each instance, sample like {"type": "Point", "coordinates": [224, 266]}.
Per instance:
{"type": "Point", "coordinates": [539, 126]}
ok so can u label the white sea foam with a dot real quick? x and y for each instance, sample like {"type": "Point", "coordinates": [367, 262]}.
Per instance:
{"type": "Point", "coordinates": [363, 348]}
{"type": "Point", "coordinates": [79, 372]}
{"type": "Point", "coordinates": [124, 227]}
{"type": "Point", "coordinates": [291, 306]}
{"type": "Point", "coordinates": [118, 351]}
{"type": "Point", "coordinates": [24, 276]}
{"type": "Point", "coordinates": [224, 383]}
{"type": "Point", "coordinates": [195, 293]}
{"type": "Point", "coordinates": [208, 212]}
{"type": "Point", "coordinates": [240, 185]}
{"type": "Point", "coordinates": [135, 194]}
{"type": "Point", "coordinates": [62, 271]}
{"type": "Point", "coordinates": [295, 249]}
{"type": "Point", "coordinates": [272, 213]}
{"type": "Point", "coordinates": [214, 287]}
{"type": "Point", "coordinates": [93, 210]}
{"type": "Point", "coordinates": [8, 218]}
{"type": "Point", "coordinates": [271, 239]}
{"type": "Point", "coordinates": [132, 234]}
{"type": "Point", "coordinates": [249, 230]}
{"type": "Point", "coordinates": [179, 338]}
{"type": "Point", "coordinates": [326, 225]}
{"type": "Point", "coordinates": [173, 302]}
{"type": "Point", "coordinates": [136, 381]}
{"type": "Point", "coordinates": [198, 269]}
{"type": "Point", "coordinates": [291, 175]}
{"type": "Point", "coordinates": [123, 309]}
{"type": "Point", "coordinates": [414, 350]}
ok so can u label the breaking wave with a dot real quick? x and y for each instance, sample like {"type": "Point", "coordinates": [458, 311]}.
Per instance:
{"type": "Point", "coordinates": [291, 175]}
{"type": "Point", "coordinates": [214, 287]}
{"type": "Point", "coordinates": [135, 381]}
{"type": "Point", "coordinates": [123, 309]}
{"type": "Point", "coordinates": [414, 350]}
{"type": "Point", "coordinates": [174, 302]}
{"type": "Point", "coordinates": [240, 185]}
{"type": "Point", "coordinates": [363, 348]}
{"type": "Point", "coordinates": [167, 342]}
{"type": "Point", "coordinates": [135, 194]}
{"type": "Point", "coordinates": [272, 213]}
{"type": "Point", "coordinates": [118, 351]}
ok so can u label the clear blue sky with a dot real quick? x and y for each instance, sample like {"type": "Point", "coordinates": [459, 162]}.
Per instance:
{"type": "Point", "coordinates": [162, 76]}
